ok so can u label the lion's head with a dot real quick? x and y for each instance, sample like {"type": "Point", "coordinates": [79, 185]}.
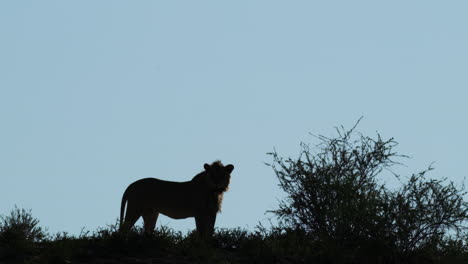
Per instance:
{"type": "Point", "coordinates": [219, 176]}
{"type": "Point", "coordinates": [216, 178]}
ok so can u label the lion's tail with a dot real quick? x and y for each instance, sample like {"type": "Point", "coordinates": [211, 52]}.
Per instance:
{"type": "Point", "coordinates": [122, 208]}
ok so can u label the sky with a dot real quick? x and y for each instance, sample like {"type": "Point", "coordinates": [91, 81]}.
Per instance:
{"type": "Point", "coordinates": [97, 94]}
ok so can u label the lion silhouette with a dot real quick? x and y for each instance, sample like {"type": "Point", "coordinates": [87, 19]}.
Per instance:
{"type": "Point", "coordinates": [200, 197]}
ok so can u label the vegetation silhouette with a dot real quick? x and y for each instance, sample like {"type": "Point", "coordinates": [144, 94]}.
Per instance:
{"type": "Point", "coordinates": [335, 198]}
{"type": "Point", "coordinates": [19, 234]}
{"type": "Point", "coordinates": [336, 211]}
{"type": "Point", "coordinates": [200, 198]}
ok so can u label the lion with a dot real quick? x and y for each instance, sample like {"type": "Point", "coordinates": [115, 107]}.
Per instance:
{"type": "Point", "coordinates": [200, 197]}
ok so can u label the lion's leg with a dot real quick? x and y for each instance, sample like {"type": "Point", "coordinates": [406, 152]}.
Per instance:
{"type": "Point", "coordinates": [199, 223]}
{"type": "Point", "coordinates": [131, 216]}
{"type": "Point", "coordinates": [149, 219]}
{"type": "Point", "coordinates": [205, 224]}
{"type": "Point", "coordinates": [210, 223]}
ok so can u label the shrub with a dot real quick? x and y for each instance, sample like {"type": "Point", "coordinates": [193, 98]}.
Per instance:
{"type": "Point", "coordinates": [19, 232]}
{"type": "Point", "coordinates": [334, 196]}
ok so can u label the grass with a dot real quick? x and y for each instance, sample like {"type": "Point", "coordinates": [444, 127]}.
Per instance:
{"type": "Point", "coordinates": [23, 241]}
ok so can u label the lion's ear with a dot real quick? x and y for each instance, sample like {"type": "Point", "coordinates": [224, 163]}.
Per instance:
{"type": "Point", "coordinates": [206, 166]}
{"type": "Point", "coordinates": [230, 168]}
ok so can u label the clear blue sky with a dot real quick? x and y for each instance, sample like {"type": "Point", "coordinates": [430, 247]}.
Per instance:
{"type": "Point", "coordinates": [97, 94]}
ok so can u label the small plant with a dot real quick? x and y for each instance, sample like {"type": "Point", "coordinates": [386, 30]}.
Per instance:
{"type": "Point", "coordinates": [20, 225]}
{"type": "Point", "coordinates": [19, 233]}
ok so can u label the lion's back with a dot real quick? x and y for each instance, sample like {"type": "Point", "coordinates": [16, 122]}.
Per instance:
{"type": "Point", "coordinates": [169, 198]}
{"type": "Point", "coordinates": [155, 187]}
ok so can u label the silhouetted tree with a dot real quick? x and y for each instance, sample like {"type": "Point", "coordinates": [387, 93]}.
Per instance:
{"type": "Point", "coordinates": [333, 195]}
